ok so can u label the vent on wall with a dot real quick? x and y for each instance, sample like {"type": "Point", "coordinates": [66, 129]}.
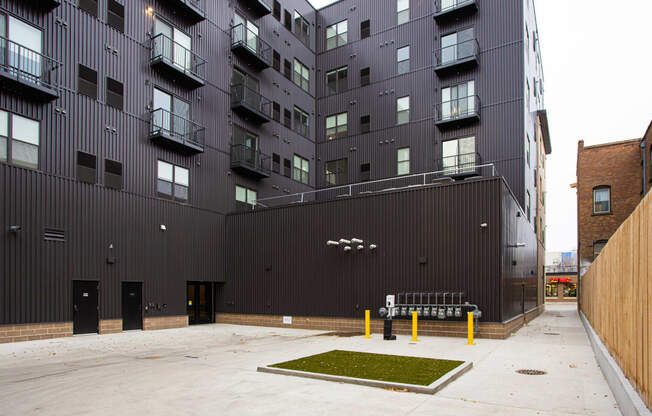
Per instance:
{"type": "Point", "coordinates": [87, 82]}
{"type": "Point", "coordinates": [112, 174]}
{"type": "Point", "coordinates": [115, 16]}
{"type": "Point", "coordinates": [114, 93]}
{"type": "Point", "coordinates": [86, 167]}
{"type": "Point", "coordinates": [89, 6]}
{"type": "Point", "coordinates": [53, 234]}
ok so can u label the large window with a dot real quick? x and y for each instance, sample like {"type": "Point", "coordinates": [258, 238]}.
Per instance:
{"type": "Point", "coordinates": [336, 126]}
{"type": "Point", "coordinates": [337, 172]}
{"type": "Point", "coordinates": [245, 195]}
{"type": "Point", "coordinates": [403, 161]}
{"type": "Point", "coordinates": [337, 80]}
{"type": "Point", "coordinates": [171, 114]}
{"type": "Point", "coordinates": [21, 55]}
{"type": "Point", "coordinates": [601, 200]}
{"type": "Point", "coordinates": [301, 169]}
{"type": "Point", "coordinates": [458, 156]}
{"type": "Point", "coordinates": [301, 122]}
{"type": "Point", "coordinates": [528, 208]}
{"type": "Point", "coordinates": [301, 75]}
{"type": "Point", "coordinates": [403, 110]}
{"type": "Point", "coordinates": [173, 181]}
{"type": "Point", "coordinates": [403, 60]}
{"type": "Point", "coordinates": [245, 32]}
{"type": "Point", "coordinates": [457, 46]}
{"type": "Point", "coordinates": [336, 35]}
{"type": "Point", "coordinates": [598, 245]}
{"type": "Point", "coordinates": [402, 11]}
{"type": "Point", "coordinates": [365, 76]}
{"type": "Point", "coordinates": [19, 140]}
{"type": "Point", "coordinates": [301, 28]}
{"type": "Point", "coordinates": [247, 143]}
{"type": "Point", "coordinates": [458, 101]}
{"type": "Point", "coordinates": [172, 45]}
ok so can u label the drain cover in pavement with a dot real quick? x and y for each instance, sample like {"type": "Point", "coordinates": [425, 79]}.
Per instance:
{"type": "Point", "coordinates": [551, 333]}
{"type": "Point", "coordinates": [529, 372]}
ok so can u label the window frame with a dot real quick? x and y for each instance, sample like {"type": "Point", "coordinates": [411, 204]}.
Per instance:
{"type": "Point", "coordinates": [338, 35]}
{"type": "Point", "coordinates": [173, 195]}
{"type": "Point", "coordinates": [300, 127]}
{"type": "Point", "coordinates": [10, 139]}
{"type": "Point", "coordinates": [303, 168]}
{"type": "Point", "coordinates": [608, 200]}
{"type": "Point", "coordinates": [365, 31]}
{"type": "Point", "coordinates": [338, 133]}
{"type": "Point", "coordinates": [304, 38]}
{"type": "Point", "coordinates": [401, 13]}
{"type": "Point", "coordinates": [340, 86]}
{"type": "Point", "coordinates": [399, 62]}
{"type": "Point", "coordinates": [340, 171]}
{"type": "Point", "coordinates": [299, 78]}
{"type": "Point", "coordinates": [401, 162]}
{"type": "Point", "coordinates": [247, 192]}
{"type": "Point", "coordinates": [401, 112]}
{"type": "Point", "coordinates": [602, 241]}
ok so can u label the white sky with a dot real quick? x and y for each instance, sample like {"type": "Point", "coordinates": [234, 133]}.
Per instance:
{"type": "Point", "coordinates": [597, 60]}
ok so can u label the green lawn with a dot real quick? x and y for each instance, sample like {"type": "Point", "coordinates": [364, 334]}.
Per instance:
{"type": "Point", "coordinates": [394, 368]}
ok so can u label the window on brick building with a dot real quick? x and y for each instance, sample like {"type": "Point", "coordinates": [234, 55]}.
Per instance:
{"type": "Point", "coordinates": [598, 245]}
{"type": "Point", "coordinates": [601, 199]}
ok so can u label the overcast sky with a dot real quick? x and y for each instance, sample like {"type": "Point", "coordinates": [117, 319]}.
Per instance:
{"type": "Point", "coordinates": [597, 60]}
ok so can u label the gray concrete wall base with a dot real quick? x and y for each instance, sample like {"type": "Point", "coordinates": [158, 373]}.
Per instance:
{"type": "Point", "coordinates": [629, 401]}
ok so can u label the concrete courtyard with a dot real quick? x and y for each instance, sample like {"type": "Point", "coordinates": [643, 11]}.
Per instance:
{"type": "Point", "coordinates": [211, 369]}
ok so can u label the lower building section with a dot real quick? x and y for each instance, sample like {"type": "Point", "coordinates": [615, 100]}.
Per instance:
{"type": "Point", "coordinates": [30, 332]}
{"type": "Point", "coordinates": [110, 326]}
{"type": "Point", "coordinates": [165, 322]}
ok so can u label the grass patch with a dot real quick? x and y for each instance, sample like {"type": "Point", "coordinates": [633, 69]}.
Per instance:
{"type": "Point", "coordinates": [393, 368]}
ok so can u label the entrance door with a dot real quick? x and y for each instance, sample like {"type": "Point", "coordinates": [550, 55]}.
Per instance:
{"type": "Point", "coordinates": [199, 303]}
{"type": "Point", "coordinates": [132, 305]}
{"type": "Point", "coordinates": [85, 308]}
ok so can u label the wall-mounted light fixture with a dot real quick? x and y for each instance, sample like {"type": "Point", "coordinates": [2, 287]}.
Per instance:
{"type": "Point", "coordinates": [372, 247]}
{"type": "Point", "coordinates": [360, 247]}
{"type": "Point", "coordinates": [344, 241]}
{"type": "Point", "coordinates": [347, 248]}
{"type": "Point", "coordinates": [163, 227]}
{"type": "Point", "coordinates": [149, 10]}
{"type": "Point", "coordinates": [356, 241]}
{"type": "Point", "coordinates": [483, 225]}
{"type": "Point", "coordinates": [332, 243]}
{"type": "Point", "coordinates": [15, 228]}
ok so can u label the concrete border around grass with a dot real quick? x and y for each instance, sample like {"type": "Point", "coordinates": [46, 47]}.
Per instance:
{"type": "Point", "coordinates": [433, 388]}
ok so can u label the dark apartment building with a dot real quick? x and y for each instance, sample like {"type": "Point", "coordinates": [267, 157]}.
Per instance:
{"type": "Point", "coordinates": [612, 179]}
{"type": "Point", "coordinates": [172, 162]}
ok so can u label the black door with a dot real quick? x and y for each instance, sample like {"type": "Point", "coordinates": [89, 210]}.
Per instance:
{"type": "Point", "coordinates": [132, 305]}
{"type": "Point", "coordinates": [199, 303]}
{"type": "Point", "coordinates": [85, 308]}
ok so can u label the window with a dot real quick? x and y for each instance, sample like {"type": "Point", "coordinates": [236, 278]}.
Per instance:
{"type": "Point", "coordinates": [114, 93]}
{"type": "Point", "coordinates": [21, 58]}
{"type": "Point", "coordinates": [403, 11]}
{"type": "Point", "coordinates": [112, 174]}
{"type": "Point", "coordinates": [365, 29]}
{"type": "Point", "coordinates": [173, 181]}
{"type": "Point", "coordinates": [301, 75]}
{"type": "Point", "coordinates": [301, 169]}
{"type": "Point", "coordinates": [288, 20]}
{"type": "Point", "coordinates": [365, 172]}
{"type": "Point", "coordinates": [301, 122]}
{"type": "Point", "coordinates": [337, 80]}
{"type": "Point", "coordinates": [336, 172]}
{"type": "Point", "coordinates": [365, 124]}
{"type": "Point", "coordinates": [527, 149]}
{"type": "Point", "coordinates": [245, 195]}
{"type": "Point", "coordinates": [287, 168]}
{"type": "Point", "coordinates": [173, 45]}
{"type": "Point", "coordinates": [276, 163]}
{"type": "Point", "coordinates": [457, 46]}
{"type": "Point", "coordinates": [277, 10]}
{"type": "Point", "coordinates": [458, 101]}
{"type": "Point", "coordinates": [287, 69]}
{"type": "Point", "coordinates": [276, 61]}
{"type": "Point", "coordinates": [403, 161]}
{"type": "Point", "coordinates": [87, 82]}
{"type": "Point", "coordinates": [89, 6]}
{"type": "Point", "coordinates": [598, 245]}
{"type": "Point", "coordinates": [403, 59]}
{"type": "Point", "coordinates": [86, 167]}
{"type": "Point", "coordinates": [115, 15]}
{"type": "Point", "coordinates": [302, 28]}
{"type": "Point", "coordinates": [171, 114]}
{"type": "Point", "coordinates": [528, 210]}
{"type": "Point", "coordinates": [19, 140]}
{"type": "Point", "coordinates": [365, 76]}
{"type": "Point", "coordinates": [458, 156]}
{"type": "Point", "coordinates": [527, 102]}
{"type": "Point", "coordinates": [336, 126]}
{"type": "Point", "coordinates": [601, 200]}
{"type": "Point", "coordinates": [248, 144]}
{"type": "Point", "coordinates": [276, 111]}
{"type": "Point", "coordinates": [287, 118]}
{"type": "Point", "coordinates": [403, 110]}
{"type": "Point", "coordinates": [336, 35]}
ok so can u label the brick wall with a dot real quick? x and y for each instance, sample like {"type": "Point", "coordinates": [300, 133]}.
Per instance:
{"type": "Point", "coordinates": [110, 326]}
{"type": "Point", "coordinates": [617, 165]}
{"type": "Point", "coordinates": [165, 322]}
{"type": "Point", "coordinates": [30, 332]}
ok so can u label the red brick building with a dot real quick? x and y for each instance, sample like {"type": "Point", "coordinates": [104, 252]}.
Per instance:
{"type": "Point", "coordinates": [611, 181]}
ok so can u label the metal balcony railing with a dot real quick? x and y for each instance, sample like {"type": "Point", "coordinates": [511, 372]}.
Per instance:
{"type": "Point", "coordinates": [444, 8]}
{"type": "Point", "coordinates": [460, 53]}
{"type": "Point", "coordinates": [176, 128]}
{"type": "Point", "coordinates": [251, 103]}
{"type": "Point", "coordinates": [259, 8]}
{"type": "Point", "coordinates": [251, 46]}
{"type": "Point", "coordinates": [256, 162]}
{"type": "Point", "coordinates": [178, 57]}
{"type": "Point", "coordinates": [191, 9]}
{"type": "Point", "coordinates": [459, 108]}
{"type": "Point", "coordinates": [463, 164]}
{"type": "Point", "coordinates": [27, 66]}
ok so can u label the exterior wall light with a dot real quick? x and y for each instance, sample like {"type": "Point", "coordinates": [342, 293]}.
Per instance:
{"type": "Point", "coordinates": [149, 10]}
{"type": "Point", "coordinates": [360, 247]}
{"type": "Point", "coordinates": [347, 248]}
{"type": "Point", "coordinates": [343, 241]}
{"type": "Point", "coordinates": [483, 225]}
{"type": "Point", "coordinates": [372, 247]}
{"type": "Point", "coordinates": [332, 243]}
{"type": "Point", "coordinates": [163, 227]}
{"type": "Point", "coordinates": [356, 241]}
{"type": "Point", "coordinates": [15, 228]}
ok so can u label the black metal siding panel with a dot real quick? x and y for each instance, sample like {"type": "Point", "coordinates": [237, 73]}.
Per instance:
{"type": "Point", "coordinates": [288, 269]}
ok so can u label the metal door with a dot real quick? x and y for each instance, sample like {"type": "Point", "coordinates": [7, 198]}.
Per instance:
{"type": "Point", "coordinates": [132, 305]}
{"type": "Point", "coordinates": [85, 306]}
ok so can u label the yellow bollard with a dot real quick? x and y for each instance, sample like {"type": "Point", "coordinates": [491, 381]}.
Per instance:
{"type": "Point", "coordinates": [367, 324]}
{"type": "Point", "coordinates": [414, 327]}
{"type": "Point", "coordinates": [470, 328]}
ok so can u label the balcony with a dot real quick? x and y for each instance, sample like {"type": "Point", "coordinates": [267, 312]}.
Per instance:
{"type": "Point", "coordinates": [249, 161]}
{"type": "Point", "coordinates": [460, 166]}
{"type": "Point", "coordinates": [454, 9]}
{"type": "Point", "coordinates": [27, 73]}
{"type": "Point", "coordinates": [250, 105]}
{"type": "Point", "coordinates": [258, 8]}
{"type": "Point", "coordinates": [175, 132]}
{"type": "Point", "coordinates": [456, 58]}
{"type": "Point", "coordinates": [458, 113]}
{"type": "Point", "coordinates": [192, 10]}
{"type": "Point", "coordinates": [250, 47]}
{"type": "Point", "coordinates": [177, 63]}
{"type": "Point", "coordinates": [45, 5]}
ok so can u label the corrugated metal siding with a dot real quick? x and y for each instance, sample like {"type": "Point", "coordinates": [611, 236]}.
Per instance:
{"type": "Point", "coordinates": [306, 277]}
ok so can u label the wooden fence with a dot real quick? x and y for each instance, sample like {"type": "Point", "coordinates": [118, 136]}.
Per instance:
{"type": "Point", "coordinates": [615, 296]}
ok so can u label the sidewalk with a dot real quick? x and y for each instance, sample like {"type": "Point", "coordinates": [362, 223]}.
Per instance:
{"type": "Point", "coordinates": [212, 370]}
